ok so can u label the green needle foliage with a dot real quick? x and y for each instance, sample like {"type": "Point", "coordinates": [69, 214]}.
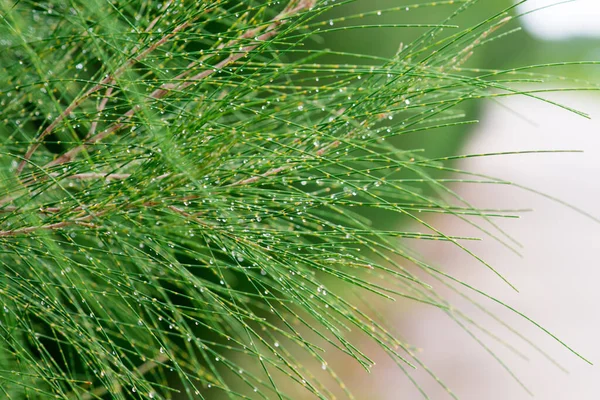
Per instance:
{"type": "Point", "coordinates": [191, 192]}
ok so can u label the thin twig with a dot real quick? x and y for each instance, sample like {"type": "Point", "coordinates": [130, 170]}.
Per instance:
{"type": "Point", "coordinates": [466, 53]}
{"type": "Point", "coordinates": [109, 91]}
{"type": "Point", "coordinates": [141, 370]}
{"type": "Point", "coordinates": [258, 177]}
{"type": "Point", "coordinates": [100, 108]}
{"type": "Point", "coordinates": [98, 175]}
{"type": "Point", "coordinates": [106, 81]}
{"type": "Point", "coordinates": [19, 231]}
{"type": "Point", "coordinates": [294, 7]}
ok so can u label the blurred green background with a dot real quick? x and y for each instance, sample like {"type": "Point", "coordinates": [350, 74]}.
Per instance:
{"type": "Point", "coordinates": [517, 49]}
{"type": "Point", "coordinates": [514, 50]}
{"type": "Point", "coordinates": [521, 48]}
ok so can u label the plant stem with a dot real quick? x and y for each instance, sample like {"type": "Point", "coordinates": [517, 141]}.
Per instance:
{"type": "Point", "coordinates": [294, 7]}
{"type": "Point", "coordinates": [106, 81]}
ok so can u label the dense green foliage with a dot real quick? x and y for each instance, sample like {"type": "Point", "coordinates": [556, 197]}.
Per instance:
{"type": "Point", "coordinates": [187, 190]}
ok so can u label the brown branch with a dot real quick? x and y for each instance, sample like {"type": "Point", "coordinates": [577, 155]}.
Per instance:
{"type": "Point", "coordinates": [97, 175]}
{"type": "Point", "coordinates": [466, 53]}
{"type": "Point", "coordinates": [42, 210]}
{"type": "Point", "coordinates": [277, 170]}
{"type": "Point", "coordinates": [102, 175]}
{"type": "Point", "coordinates": [109, 91]}
{"type": "Point", "coordinates": [28, 229]}
{"type": "Point", "coordinates": [84, 176]}
{"type": "Point", "coordinates": [100, 108]}
{"type": "Point", "coordinates": [106, 81]}
{"type": "Point", "coordinates": [258, 177]}
{"type": "Point", "coordinates": [294, 7]}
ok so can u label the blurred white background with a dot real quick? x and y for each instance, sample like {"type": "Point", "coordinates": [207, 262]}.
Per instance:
{"type": "Point", "coordinates": [558, 275]}
{"type": "Point", "coordinates": [562, 21]}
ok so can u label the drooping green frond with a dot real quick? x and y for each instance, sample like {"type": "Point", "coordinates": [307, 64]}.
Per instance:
{"type": "Point", "coordinates": [193, 194]}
